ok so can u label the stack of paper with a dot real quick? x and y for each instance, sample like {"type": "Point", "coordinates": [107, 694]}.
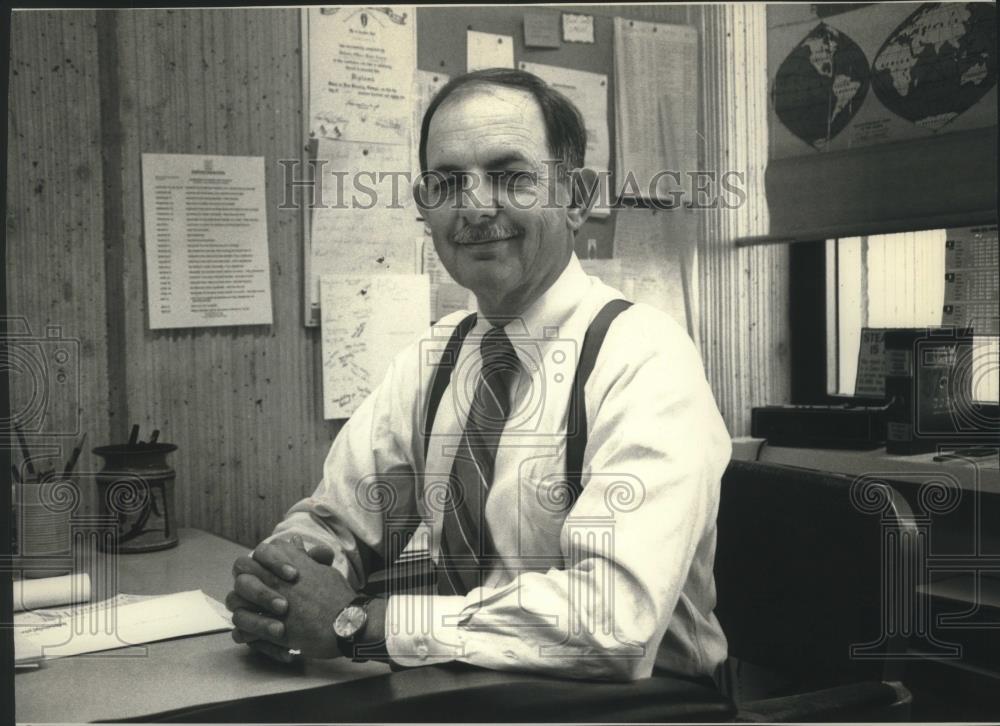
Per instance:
{"type": "Point", "coordinates": [118, 622]}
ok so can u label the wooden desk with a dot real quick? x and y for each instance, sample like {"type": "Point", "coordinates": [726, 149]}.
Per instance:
{"type": "Point", "coordinates": [209, 678]}
{"type": "Point", "coordinates": [202, 669]}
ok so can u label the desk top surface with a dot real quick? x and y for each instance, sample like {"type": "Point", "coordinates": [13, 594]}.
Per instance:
{"type": "Point", "coordinates": [142, 680]}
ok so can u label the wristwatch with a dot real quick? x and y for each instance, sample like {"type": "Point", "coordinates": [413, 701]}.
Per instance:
{"type": "Point", "coordinates": [350, 623]}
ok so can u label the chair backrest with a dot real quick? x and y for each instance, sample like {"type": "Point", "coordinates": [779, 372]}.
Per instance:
{"type": "Point", "coordinates": [799, 570]}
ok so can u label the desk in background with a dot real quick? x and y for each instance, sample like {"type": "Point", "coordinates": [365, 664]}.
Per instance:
{"type": "Point", "coordinates": [960, 593]}
{"type": "Point", "coordinates": [143, 680]}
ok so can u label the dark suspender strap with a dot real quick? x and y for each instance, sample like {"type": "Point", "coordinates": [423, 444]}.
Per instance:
{"type": "Point", "coordinates": [576, 422]}
{"type": "Point", "coordinates": [442, 375]}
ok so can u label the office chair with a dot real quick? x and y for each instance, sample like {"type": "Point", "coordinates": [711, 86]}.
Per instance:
{"type": "Point", "coordinates": [800, 577]}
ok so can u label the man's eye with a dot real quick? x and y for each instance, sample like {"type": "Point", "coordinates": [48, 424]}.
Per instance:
{"type": "Point", "coordinates": [446, 184]}
{"type": "Point", "coordinates": [516, 177]}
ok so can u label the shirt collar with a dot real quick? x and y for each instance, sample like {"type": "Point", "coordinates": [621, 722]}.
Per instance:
{"type": "Point", "coordinates": [542, 320]}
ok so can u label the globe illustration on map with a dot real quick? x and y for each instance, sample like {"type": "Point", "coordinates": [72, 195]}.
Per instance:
{"type": "Point", "coordinates": [938, 63]}
{"type": "Point", "coordinates": [820, 85]}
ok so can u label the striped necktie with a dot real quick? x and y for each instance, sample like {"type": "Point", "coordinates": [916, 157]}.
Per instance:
{"type": "Point", "coordinates": [467, 549]}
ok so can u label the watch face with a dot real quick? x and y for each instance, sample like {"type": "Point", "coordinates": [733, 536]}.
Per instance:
{"type": "Point", "coordinates": [350, 621]}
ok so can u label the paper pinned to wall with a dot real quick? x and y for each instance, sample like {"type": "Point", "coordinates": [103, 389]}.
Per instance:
{"type": "Point", "coordinates": [656, 256]}
{"type": "Point", "coordinates": [608, 271]}
{"type": "Point", "coordinates": [578, 28]}
{"type": "Point", "coordinates": [656, 114]}
{"type": "Point", "coordinates": [366, 226]}
{"type": "Point", "coordinates": [447, 296]}
{"type": "Point", "coordinates": [589, 93]}
{"type": "Point", "coordinates": [206, 240]}
{"type": "Point", "coordinates": [361, 63]}
{"type": "Point", "coordinates": [541, 29]}
{"type": "Point", "coordinates": [426, 84]}
{"type": "Point", "coordinates": [487, 50]}
{"type": "Point", "coordinates": [971, 278]}
{"type": "Point", "coordinates": [367, 320]}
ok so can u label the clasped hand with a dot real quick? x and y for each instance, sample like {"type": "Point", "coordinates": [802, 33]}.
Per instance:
{"type": "Point", "coordinates": [284, 599]}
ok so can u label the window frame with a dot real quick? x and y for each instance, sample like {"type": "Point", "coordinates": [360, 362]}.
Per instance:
{"type": "Point", "coordinates": [810, 327]}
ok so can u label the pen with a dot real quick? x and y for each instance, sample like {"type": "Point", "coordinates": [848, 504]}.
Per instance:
{"type": "Point", "coordinates": [134, 435]}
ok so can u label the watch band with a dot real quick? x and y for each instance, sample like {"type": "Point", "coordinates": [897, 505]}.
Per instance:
{"type": "Point", "coordinates": [346, 645]}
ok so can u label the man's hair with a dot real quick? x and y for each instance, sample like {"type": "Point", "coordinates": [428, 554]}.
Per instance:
{"type": "Point", "coordinates": [565, 132]}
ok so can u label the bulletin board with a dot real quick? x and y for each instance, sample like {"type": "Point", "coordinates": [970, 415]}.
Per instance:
{"type": "Point", "coordinates": [365, 106]}
{"type": "Point", "coordinates": [441, 40]}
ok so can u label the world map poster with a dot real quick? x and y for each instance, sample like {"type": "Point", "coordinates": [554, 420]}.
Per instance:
{"type": "Point", "coordinates": [878, 73]}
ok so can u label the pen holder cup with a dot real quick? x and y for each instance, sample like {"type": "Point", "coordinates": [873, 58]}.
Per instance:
{"type": "Point", "coordinates": [43, 510]}
{"type": "Point", "coordinates": [136, 486]}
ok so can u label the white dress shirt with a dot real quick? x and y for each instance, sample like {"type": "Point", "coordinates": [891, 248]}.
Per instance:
{"type": "Point", "coordinates": [603, 587]}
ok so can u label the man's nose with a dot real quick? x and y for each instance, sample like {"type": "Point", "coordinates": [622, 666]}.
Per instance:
{"type": "Point", "coordinates": [481, 200]}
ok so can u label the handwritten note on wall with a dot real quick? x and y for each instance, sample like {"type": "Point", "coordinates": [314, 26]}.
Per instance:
{"type": "Point", "coordinates": [367, 320]}
{"type": "Point", "coordinates": [366, 225]}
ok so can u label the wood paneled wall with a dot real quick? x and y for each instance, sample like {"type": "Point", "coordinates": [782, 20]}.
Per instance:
{"type": "Point", "coordinates": [242, 403]}
{"type": "Point", "coordinates": [90, 91]}
{"type": "Point", "coordinates": [55, 263]}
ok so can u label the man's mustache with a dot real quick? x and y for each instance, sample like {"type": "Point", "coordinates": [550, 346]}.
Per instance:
{"type": "Point", "coordinates": [488, 232]}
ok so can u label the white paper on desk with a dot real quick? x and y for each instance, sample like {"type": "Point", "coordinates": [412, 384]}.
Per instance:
{"type": "Point", "coordinates": [361, 62]}
{"type": "Point", "coordinates": [367, 320]}
{"type": "Point", "coordinates": [366, 227]}
{"type": "Point", "coordinates": [116, 623]}
{"type": "Point", "coordinates": [206, 240]}
{"type": "Point", "coordinates": [656, 105]}
{"type": "Point", "coordinates": [656, 262]}
{"type": "Point", "coordinates": [48, 591]}
{"type": "Point", "coordinates": [589, 93]}
{"type": "Point", "coordinates": [486, 50]}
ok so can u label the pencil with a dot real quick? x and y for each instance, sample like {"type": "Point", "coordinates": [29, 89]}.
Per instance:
{"type": "Point", "coordinates": [24, 450]}
{"type": "Point", "coordinates": [154, 436]}
{"type": "Point", "coordinates": [74, 456]}
{"type": "Point", "coordinates": [134, 436]}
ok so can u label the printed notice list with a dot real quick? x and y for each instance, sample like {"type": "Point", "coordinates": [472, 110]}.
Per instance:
{"type": "Point", "coordinates": [206, 240]}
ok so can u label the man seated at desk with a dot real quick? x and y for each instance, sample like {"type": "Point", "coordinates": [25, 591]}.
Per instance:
{"type": "Point", "coordinates": [605, 582]}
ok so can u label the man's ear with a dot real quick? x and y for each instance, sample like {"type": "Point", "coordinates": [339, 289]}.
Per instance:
{"type": "Point", "coordinates": [583, 186]}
